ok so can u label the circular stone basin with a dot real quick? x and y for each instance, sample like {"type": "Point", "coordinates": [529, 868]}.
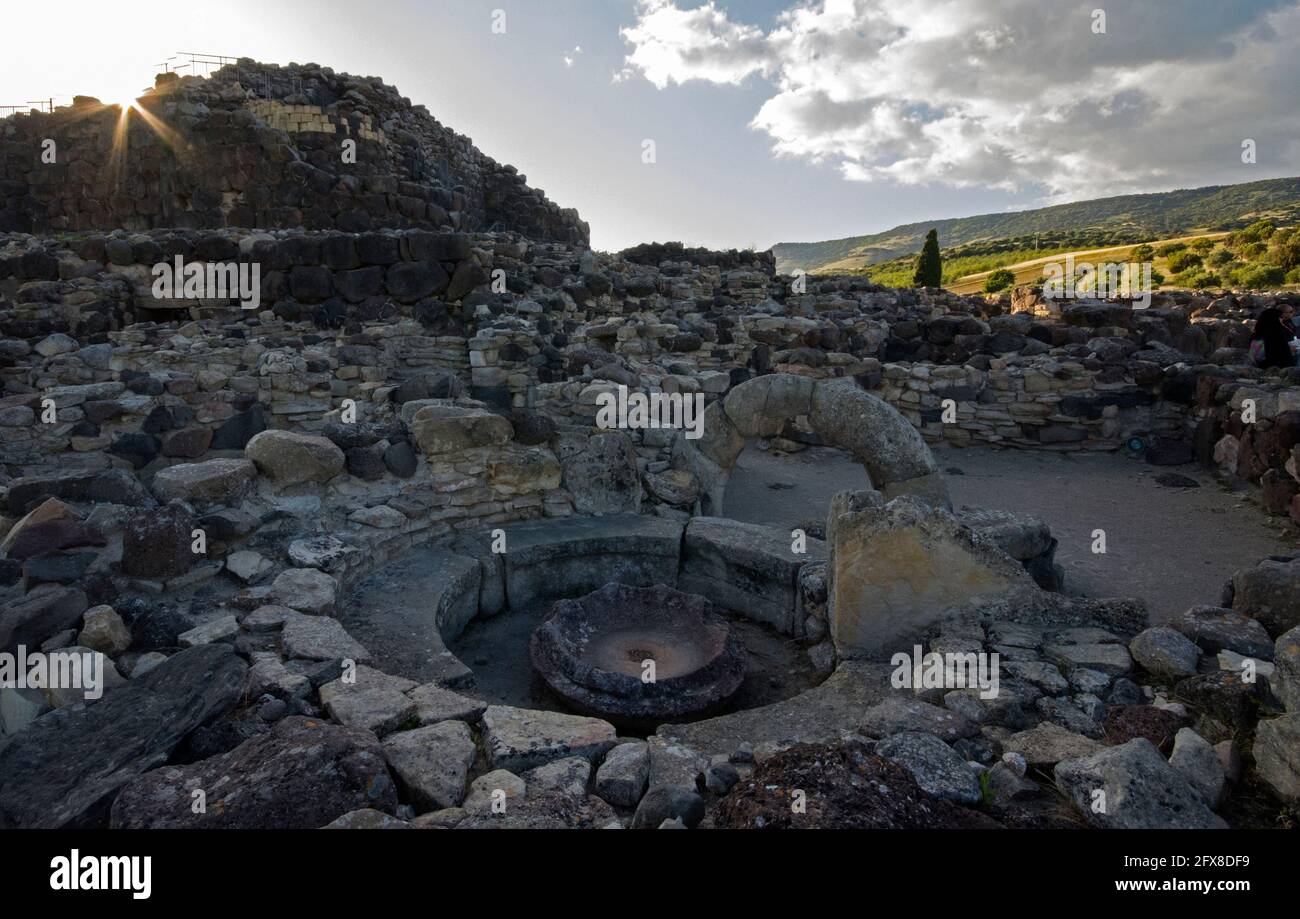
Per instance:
{"type": "Point", "coordinates": [593, 652]}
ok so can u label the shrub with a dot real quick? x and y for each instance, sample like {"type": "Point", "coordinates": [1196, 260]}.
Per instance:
{"type": "Point", "coordinates": [1220, 257]}
{"type": "Point", "coordinates": [1258, 277]}
{"type": "Point", "coordinates": [1183, 261]}
{"type": "Point", "coordinates": [1142, 253]}
{"type": "Point", "coordinates": [1203, 245]}
{"type": "Point", "coordinates": [1169, 249]}
{"type": "Point", "coordinates": [999, 280]}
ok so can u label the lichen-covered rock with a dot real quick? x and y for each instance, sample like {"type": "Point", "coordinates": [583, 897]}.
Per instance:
{"type": "Point", "coordinates": [304, 774]}
{"type": "Point", "coordinates": [1165, 653]}
{"type": "Point", "coordinates": [448, 429]}
{"type": "Point", "coordinates": [896, 568]}
{"type": "Point", "coordinates": [1277, 755]}
{"type": "Point", "coordinates": [66, 769]}
{"type": "Point", "coordinates": [219, 481]}
{"type": "Point", "coordinates": [1133, 787]}
{"type": "Point", "coordinates": [518, 739]}
{"type": "Point", "coordinates": [288, 458]}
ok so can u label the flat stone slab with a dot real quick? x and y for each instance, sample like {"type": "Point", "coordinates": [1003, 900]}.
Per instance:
{"type": "Point", "coordinates": [406, 611]}
{"type": "Point", "coordinates": [435, 703]}
{"type": "Point", "coordinates": [1048, 744]}
{"type": "Point", "coordinates": [748, 569]}
{"type": "Point", "coordinates": [1112, 660]}
{"type": "Point", "coordinates": [520, 739]}
{"type": "Point", "coordinates": [65, 769]}
{"type": "Point", "coordinates": [432, 763]}
{"type": "Point", "coordinates": [819, 715]}
{"type": "Point", "coordinates": [902, 714]}
{"type": "Point", "coordinates": [546, 560]}
{"type": "Point", "coordinates": [320, 638]}
{"type": "Point", "coordinates": [938, 768]}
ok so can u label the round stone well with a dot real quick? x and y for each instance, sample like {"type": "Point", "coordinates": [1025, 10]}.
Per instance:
{"type": "Point", "coordinates": [639, 655]}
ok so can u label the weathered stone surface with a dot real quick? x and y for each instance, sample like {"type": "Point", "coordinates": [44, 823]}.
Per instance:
{"type": "Point", "coordinates": [432, 763]}
{"type": "Point", "coordinates": [819, 715]}
{"type": "Point", "coordinates": [763, 406]}
{"type": "Point", "coordinates": [320, 638]}
{"type": "Point", "coordinates": [1165, 653]}
{"type": "Point", "coordinates": [621, 779]}
{"type": "Point", "coordinates": [939, 770]}
{"type": "Point", "coordinates": [1215, 629]}
{"type": "Point", "coordinates": [33, 619]}
{"type": "Point", "coordinates": [368, 820]}
{"type": "Point", "coordinates": [443, 429]}
{"type": "Point", "coordinates": [873, 431]}
{"type": "Point", "coordinates": [304, 774]}
{"type": "Point", "coordinates": [901, 714]}
{"type": "Point", "coordinates": [220, 481]}
{"type": "Point", "coordinates": [592, 652]}
{"type": "Point", "coordinates": [288, 458]}
{"type": "Point", "coordinates": [1286, 659]}
{"type": "Point", "coordinates": [1195, 758]}
{"type": "Point", "coordinates": [668, 802]}
{"type": "Point", "coordinates": [1142, 791]}
{"type": "Point", "coordinates": [66, 769]}
{"type": "Point", "coordinates": [1277, 755]}
{"type": "Point", "coordinates": [405, 612]}
{"type": "Point", "coordinates": [379, 709]}
{"type": "Point", "coordinates": [1269, 593]}
{"type": "Point", "coordinates": [895, 569]}
{"type": "Point", "coordinates": [518, 739]}
{"type": "Point", "coordinates": [305, 590]}
{"type": "Point", "coordinates": [748, 569]}
{"type": "Point", "coordinates": [1112, 660]}
{"type": "Point", "coordinates": [158, 544]}
{"type": "Point", "coordinates": [550, 559]}
{"type": "Point", "coordinates": [497, 789]}
{"type": "Point", "coordinates": [569, 776]}
{"type": "Point", "coordinates": [603, 476]}
{"type": "Point", "coordinates": [435, 704]}
{"type": "Point", "coordinates": [1048, 744]}
{"type": "Point", "coordinates": [104, 631]}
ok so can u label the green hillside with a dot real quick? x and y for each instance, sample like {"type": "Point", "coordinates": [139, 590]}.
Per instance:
{"type": "Point", "coordinates": [1063, 227]}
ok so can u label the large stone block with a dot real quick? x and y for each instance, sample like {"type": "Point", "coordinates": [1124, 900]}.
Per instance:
{"type": "Point", "coordinates": [872, 430]}
{"type": "Point", "coordinates": [897, 568]}
{"type": "Point", "coordinates": [603, 476]}
{"type": "Point", "coordinates": [66, 769]}
{"type": "Point", "coordinates": [763, 406]}
{"type": "Point", "coordinates": [443, 429]}
{"type": "Point", "coordinates": [748, 569]}
{"type": "Point", "coordinates": [220, 481]}
{"type": "Point", "coordinates": [288, 459]}
{"type": "Point", "coordinates": [574, 556]}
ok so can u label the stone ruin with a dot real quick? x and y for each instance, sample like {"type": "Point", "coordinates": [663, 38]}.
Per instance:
{"type": "Point", "coordinates": [276, 524]}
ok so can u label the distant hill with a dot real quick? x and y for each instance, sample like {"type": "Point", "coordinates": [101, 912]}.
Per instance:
{"type": "Point", "coordinates": [1106, 221]}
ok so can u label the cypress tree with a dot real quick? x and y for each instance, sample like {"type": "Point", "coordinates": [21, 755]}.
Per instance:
{"type": "Point", "coordinates": [929, 267]}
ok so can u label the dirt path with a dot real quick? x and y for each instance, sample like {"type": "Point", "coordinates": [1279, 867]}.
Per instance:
{"type": "Point", "coordinates": [1174, 547]}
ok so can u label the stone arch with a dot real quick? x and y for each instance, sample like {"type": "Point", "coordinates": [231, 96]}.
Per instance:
{"type": "Point", "coordinates": [892, 451]}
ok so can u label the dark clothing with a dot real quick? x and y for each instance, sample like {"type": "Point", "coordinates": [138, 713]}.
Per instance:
{"type": "Point", "coordinates": [1277, 347]}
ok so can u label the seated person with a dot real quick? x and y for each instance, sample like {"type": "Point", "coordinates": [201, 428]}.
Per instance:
{"type": "Point", "coordinates": [1271, 345]}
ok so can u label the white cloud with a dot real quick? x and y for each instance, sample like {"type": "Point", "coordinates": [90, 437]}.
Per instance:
{"type": "Point", "coordinates": [1002, 93]}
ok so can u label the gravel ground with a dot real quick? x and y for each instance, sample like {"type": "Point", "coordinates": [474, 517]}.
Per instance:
{"type": "Point", "coordinates": [1173, 547]}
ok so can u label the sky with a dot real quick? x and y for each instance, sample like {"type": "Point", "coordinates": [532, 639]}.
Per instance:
{"type": "Point", "coordinates": [772, 120]}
